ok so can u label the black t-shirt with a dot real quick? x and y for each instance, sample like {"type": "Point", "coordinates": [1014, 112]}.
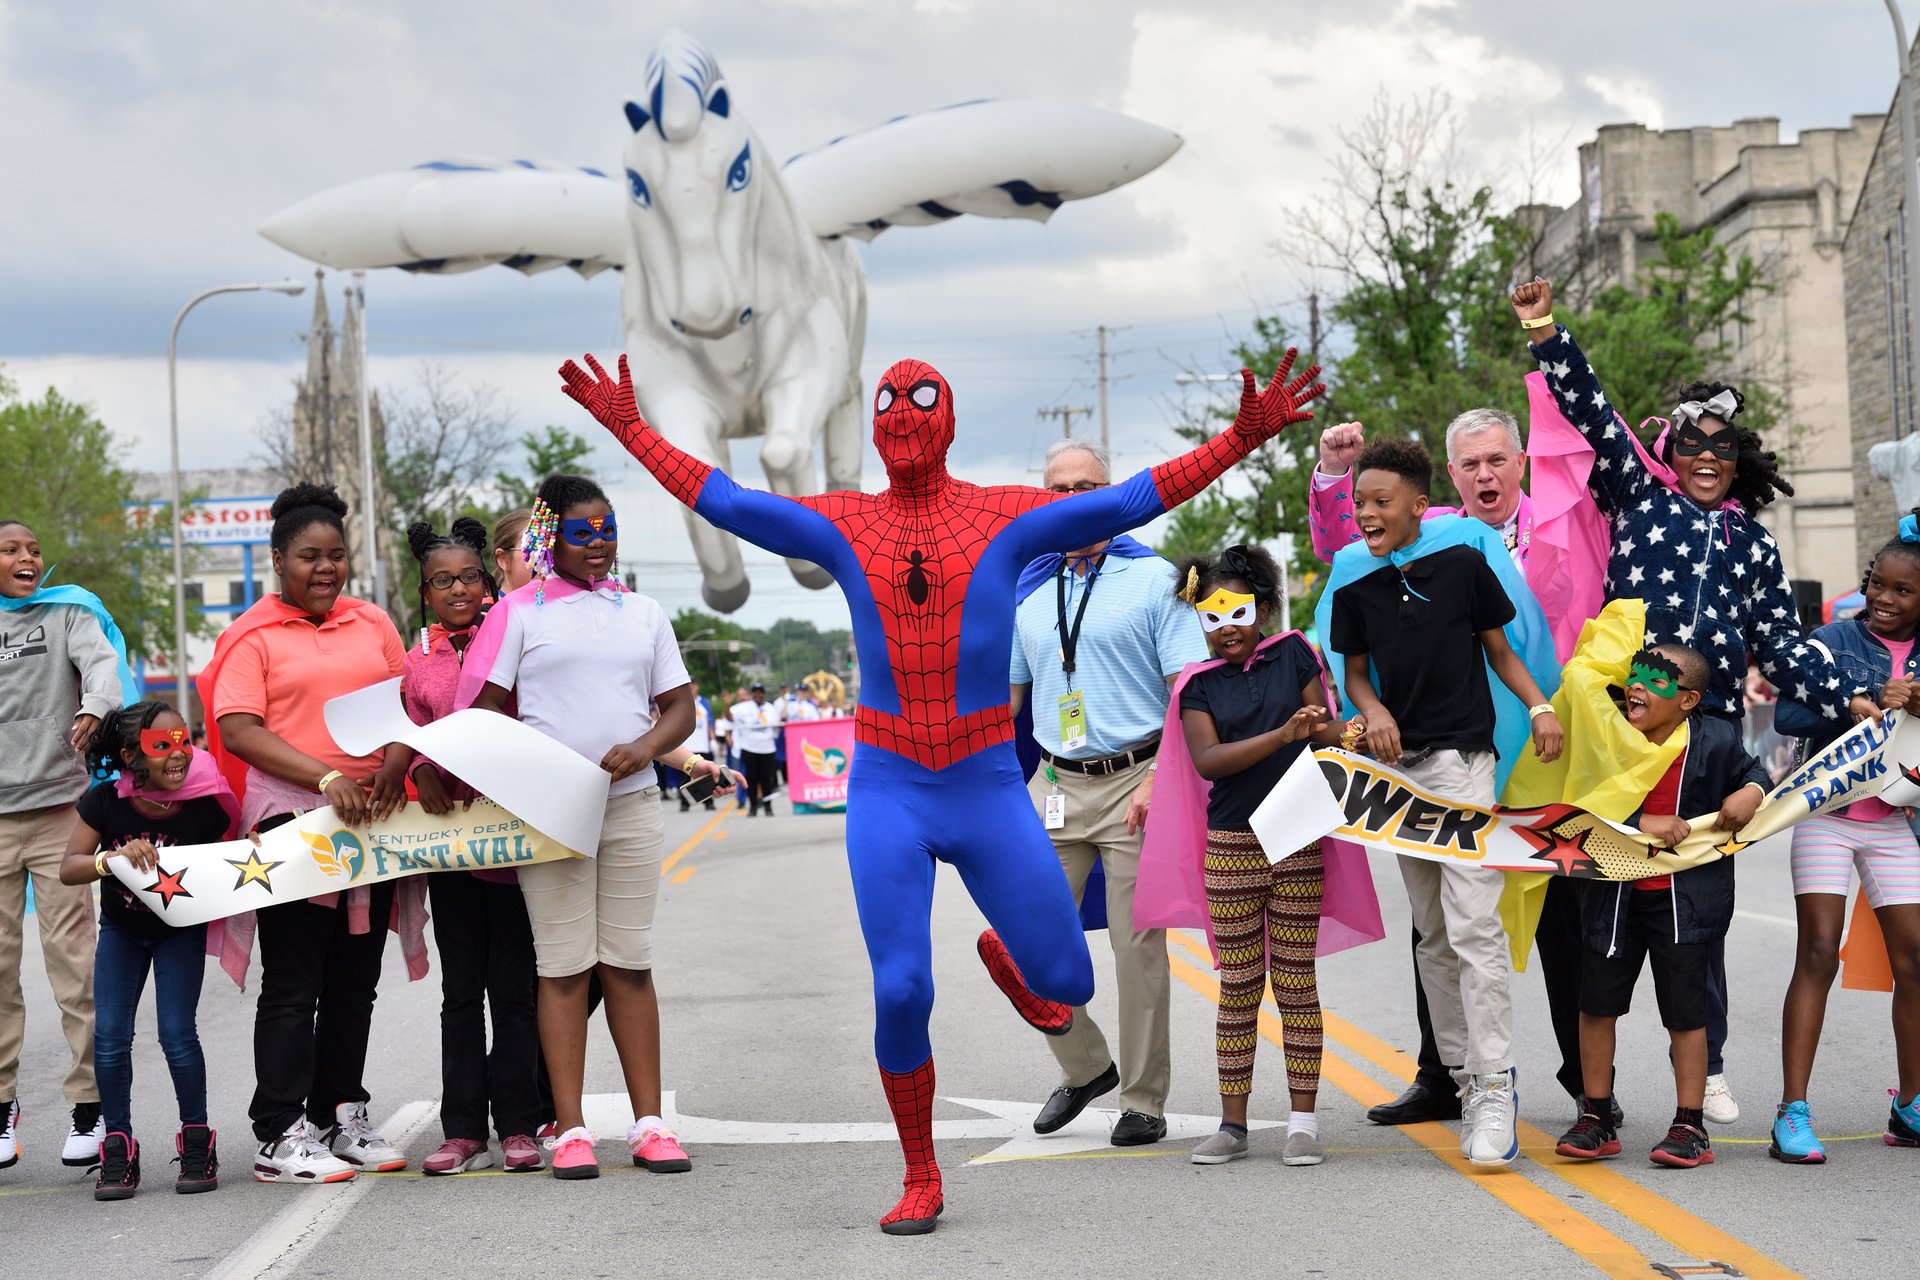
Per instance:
{"type": "Point", "coordinates": [1421, 626]}
{"type": "Point", "coordinates": [200, 821]}
{"type": "Point", "coordinates": [1246, 704]}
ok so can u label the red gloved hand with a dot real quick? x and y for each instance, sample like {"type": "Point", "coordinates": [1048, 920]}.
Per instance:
{"type": "Point", "coordinates": [1282, 403]}
{"type": "Point", "coordinates": [610, 403]}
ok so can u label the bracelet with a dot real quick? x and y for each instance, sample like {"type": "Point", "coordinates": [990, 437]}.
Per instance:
{"type": "Point", "coordinates": [1544, 322]}
{"type": "Point", "coordinates": [100, 864]}
{"type": "Point", "coordinates": [327, 778]}
{"type": "Point", "coordinates": [1544, 709]}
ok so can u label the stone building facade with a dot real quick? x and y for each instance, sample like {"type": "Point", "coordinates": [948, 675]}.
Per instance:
{"type": "Point", "coordinates": [1786, 206]}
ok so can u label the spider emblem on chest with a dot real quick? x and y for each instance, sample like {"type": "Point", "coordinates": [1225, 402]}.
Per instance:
{"type": "Point", "coordinates": [917, 579]}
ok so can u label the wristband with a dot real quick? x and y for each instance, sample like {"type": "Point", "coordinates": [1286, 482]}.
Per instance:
{"type": "Point", "coordinates": [1544, 709]}
{"type": "Point", "coordinates": [327, 778]}
{"type": "Point", "coordinates": [1544, 322]}
{"type": "Point", "coordinates": [100, 864]}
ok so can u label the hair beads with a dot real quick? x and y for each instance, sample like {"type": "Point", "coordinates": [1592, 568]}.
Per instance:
{"type": "Point", "coordinates": [536, 546]}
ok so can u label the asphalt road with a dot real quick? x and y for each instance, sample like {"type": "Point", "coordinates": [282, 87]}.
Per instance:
{"type": "Point", "coordinates": [767, 1017]}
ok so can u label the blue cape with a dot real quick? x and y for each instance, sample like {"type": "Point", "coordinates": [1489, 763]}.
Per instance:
{"type": "Point", "coordinates": [1527, 633]}
{"type": "Point", "coordinates": [1036, 574]}
{"type": "Point", "coordinates": [129, 688]}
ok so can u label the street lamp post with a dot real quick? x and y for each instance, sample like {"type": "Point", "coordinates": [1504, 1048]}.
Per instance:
{"type": "Point", "coordinates": [292, 288]}
{"type": "Point", "coordinates": [1911, 169]}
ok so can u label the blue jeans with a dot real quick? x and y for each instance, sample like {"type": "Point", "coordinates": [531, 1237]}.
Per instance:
{"type": "Point", "coordinates": [120, 967]}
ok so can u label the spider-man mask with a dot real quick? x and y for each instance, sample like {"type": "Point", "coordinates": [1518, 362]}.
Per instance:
{"type": "Point", "coordinates": [912, 422]}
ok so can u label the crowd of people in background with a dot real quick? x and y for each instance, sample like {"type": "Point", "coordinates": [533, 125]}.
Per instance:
{"type": "Point", "coordinates": [1432, 618]}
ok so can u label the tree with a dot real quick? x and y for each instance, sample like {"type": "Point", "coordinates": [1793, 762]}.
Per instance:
{"type": "Point", "coordinates": [795, 649]}
{"type": "Point", "coordinates": [61, 472]}
{"type": "Point", "coordinates": [556, 451]}
{"type": "Point", "coordinates": [443, 440]}
{"type": "Point", "coordinates": [712, 663]}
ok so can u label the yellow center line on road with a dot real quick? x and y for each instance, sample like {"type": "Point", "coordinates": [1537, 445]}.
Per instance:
{"type": "Point", "coordinates": [685, 874]}
{"type": "Point", "coordinates": [1618, 1192]}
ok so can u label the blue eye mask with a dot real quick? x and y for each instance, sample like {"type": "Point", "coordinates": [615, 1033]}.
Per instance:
{"type": "Point", "coordinates": [582, 532]}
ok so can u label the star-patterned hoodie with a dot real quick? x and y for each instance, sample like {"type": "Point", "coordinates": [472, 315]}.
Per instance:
{"type": "Point", "coordinates": [1711, 579]}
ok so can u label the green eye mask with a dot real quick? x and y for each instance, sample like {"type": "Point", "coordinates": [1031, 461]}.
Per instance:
{"type": "Point", "coordinates": [1657, 674]}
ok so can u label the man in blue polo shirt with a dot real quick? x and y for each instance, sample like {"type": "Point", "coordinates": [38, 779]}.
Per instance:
{"type": "Point", "coordinates": [1098, 639]}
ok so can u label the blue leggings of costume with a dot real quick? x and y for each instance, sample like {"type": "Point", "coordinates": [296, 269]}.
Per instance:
{"type": "Point", "coordinates": [976, 815]}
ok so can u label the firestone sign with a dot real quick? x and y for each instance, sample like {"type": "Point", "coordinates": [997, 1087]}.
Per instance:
{"type": "Point", "coordinates": [213, 520]}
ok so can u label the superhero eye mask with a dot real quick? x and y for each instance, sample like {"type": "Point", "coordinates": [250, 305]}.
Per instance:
{"type": "Point", "coordinates": [1690, 442]}
{"type": "Point", "coordinates": [1226, 609]}
{"type": "Point", "coordinates": [582, 532]}
{"type": "Point", "coordinates": [1655, 673]}
{"type": "Point", "coordinates": [158, 744]}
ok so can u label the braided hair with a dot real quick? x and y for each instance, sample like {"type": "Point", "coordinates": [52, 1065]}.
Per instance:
{"type": "Point", "coordinates": [1756, 469]}
{"type": "Point", "coordinates": [117, 734]}
{"type": "Point", "coordinates": [557, 494]}
{"type": "Point", "coordinates": [465, 534]}
{"type": "Point", "coordinates": [1197, 576]}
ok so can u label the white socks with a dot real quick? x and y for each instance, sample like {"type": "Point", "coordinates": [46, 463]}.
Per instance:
{"type": "Point", "coordinates": [1305, 1122]}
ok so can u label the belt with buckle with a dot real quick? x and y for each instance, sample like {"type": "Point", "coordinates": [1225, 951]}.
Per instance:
{"type": "Point", "coordinates": [1106, 764]}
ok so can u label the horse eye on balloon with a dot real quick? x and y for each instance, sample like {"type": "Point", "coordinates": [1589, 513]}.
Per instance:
{"type": "Point", "coordinates": [742, 171]}
{"type": "Point", "coordinates": [884, 400]}
{"type": "Point", "coordinates": [926, 395]}
{"type": "Point", "coordinates": [637, 186]}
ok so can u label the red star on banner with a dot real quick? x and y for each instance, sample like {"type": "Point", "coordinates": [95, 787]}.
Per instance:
{"type": "Point", "coordinates": [1549, 844]}
{"type": "Point", "coordinates": [168, 886]}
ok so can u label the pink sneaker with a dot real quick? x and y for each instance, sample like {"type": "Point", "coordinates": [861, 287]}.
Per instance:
{"type": "Point", "coordinates": [519, 1153]}
{"type": "Point", "coordinates": [657, 1149]}
{"type": "Point", "coordinates": [573, 1155]}
{"type": "Point", "coordinates": [458, 1155]}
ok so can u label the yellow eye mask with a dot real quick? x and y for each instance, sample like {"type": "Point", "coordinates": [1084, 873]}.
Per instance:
{"type": "Point", "coordinates": [1225, 609]}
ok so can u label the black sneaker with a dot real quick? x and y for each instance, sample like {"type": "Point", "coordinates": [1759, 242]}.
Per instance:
{"type": "Point", "coordinates": [199, 1160]}
{"type": "Point", "coordinates": [119, 1168]}
{"type": "Point", "coordinates": [1684, 1147]}
{"type": "Point", "coordinates": [1591, 1138]}
{"type": "Point", "coordinates": [1618, 1119]}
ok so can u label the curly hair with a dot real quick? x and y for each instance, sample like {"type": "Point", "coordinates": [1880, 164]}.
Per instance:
{"type": "Point", "coordinates": [1756, 469]}
{"type": "Point", "coordinates": [1403, 458]}
{"type": "Point", "coordinates": [1253, 567]}
{"type": "Point", "coordinates": [299, 507]}
{"type": "Point", "coordinates": [117, 734]}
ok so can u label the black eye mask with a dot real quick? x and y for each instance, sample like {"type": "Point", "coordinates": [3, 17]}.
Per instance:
{"type": "Point", "coordinates": [1689, 441]}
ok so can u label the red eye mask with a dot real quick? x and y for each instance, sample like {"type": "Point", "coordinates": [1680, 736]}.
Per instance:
{"type": "Point", "coordinates": [158, 744]}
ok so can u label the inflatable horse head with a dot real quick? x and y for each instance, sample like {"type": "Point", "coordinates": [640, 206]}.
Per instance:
{"type": "Point", "coordinates": [692, 202]}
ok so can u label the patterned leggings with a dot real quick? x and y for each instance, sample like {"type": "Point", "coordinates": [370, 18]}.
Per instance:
{"type": "Point", "coordinates": [1265, 913]}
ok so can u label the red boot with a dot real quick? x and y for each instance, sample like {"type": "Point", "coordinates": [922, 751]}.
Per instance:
{"type": "Point", "coordinates": [1050, 1016]}
{"type": "Point", "coordinates": [911, 1098]}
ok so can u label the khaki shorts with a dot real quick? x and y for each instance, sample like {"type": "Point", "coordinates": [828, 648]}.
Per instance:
{"type": "Point", "coordinates": [589, 911]}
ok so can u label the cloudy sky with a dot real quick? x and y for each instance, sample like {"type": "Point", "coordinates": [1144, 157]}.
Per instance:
{"type": "Point", "coordinates": [142, 145]}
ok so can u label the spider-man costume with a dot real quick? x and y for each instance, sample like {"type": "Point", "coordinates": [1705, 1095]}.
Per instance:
{"type": "Point", "coordinates": [928, 568]}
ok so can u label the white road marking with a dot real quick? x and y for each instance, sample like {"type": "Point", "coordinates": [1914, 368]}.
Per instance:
{"type": "Point", "coordinates": [1764, 918]}
{"type": "Point", "coordinates": [277, 1247]}
{"type": "Point", "coordinates": [608, 1114]}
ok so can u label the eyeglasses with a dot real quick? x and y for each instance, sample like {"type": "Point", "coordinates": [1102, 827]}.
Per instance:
{"type": "Point", "coordinates": [1084, 486]}
{"type": "Point", "coordinates": [466, 578]}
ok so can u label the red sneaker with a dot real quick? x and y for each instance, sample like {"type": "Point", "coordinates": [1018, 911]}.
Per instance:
{"type": "Point", "coordinates": [458, 1155]}
{"type": "Point", "coordinates": [519, 1153]}
{"type": "Point", "coordinates": [1049, 1016]}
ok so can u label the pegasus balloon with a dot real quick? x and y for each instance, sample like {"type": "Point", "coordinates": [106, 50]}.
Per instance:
{"type": "Point", "coordinates": [744, 299]}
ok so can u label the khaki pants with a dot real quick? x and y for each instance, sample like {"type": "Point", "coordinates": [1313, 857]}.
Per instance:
{"type": "Point", "coordinates": [1462, 956]}
{"type": "Point", "coordinates": [1097, 828]}
{"type": "Point", "coordinates": [32, 844]}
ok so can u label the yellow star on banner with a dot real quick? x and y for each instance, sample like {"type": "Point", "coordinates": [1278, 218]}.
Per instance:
{"type": "Point", "coordinates": [1731, 845]}
{"type": "Point", "coordinates": [252, 871]}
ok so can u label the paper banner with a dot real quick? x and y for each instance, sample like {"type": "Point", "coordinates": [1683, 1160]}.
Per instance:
{"type": "Point", "coordinates": [314, 854]}
{"type": "Point", "coordinates": [819, 757]}
{"type": "Point", "coordinates": [545, 785]}
{"type": "Point", "coordinates": [1381, 809]}
{"type": "Point", "coordinates": [1299, 810]}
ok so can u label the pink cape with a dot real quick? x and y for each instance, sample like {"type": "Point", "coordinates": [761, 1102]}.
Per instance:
{"type": "Point", "coordinates": [203, 779]}
{"type": "Point", "coordinates": [1171, 891]}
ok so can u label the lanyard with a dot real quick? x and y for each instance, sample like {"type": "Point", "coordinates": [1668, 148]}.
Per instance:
{"type": "Point", "coordinates": [1070, 638]}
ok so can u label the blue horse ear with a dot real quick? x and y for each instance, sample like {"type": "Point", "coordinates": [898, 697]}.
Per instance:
{"type": "Point", "coordinates": [637, 116]}
{"type": "Point", "coordinates": [718, 102]}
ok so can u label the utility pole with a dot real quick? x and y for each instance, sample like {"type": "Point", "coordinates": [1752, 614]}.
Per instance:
{"type": "Point", "coordinates": [1066, 412]}
{"type": "Point", "coordinates": [1103, 387]}
{"type": "Point", "coordinates": [1313, 328]}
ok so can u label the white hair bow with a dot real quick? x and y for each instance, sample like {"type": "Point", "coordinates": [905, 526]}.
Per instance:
{"type": "Point", "coordinates": [1723, 406]}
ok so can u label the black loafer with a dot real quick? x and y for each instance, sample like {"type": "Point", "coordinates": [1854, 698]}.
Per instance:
{"type": "Point", "coordinates": [1136, 1129]}
{"type": "Point", "coordinates": [1416, 1106]}
{"type": "Point", "coordinates": [1069, 1100]}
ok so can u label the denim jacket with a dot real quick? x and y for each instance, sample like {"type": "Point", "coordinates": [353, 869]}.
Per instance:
{"type": "Point", "coordinates": [1861, 659]}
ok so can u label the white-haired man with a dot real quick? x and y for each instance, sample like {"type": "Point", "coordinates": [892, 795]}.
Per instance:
{"type": "Point", "coordinates": [1098, 639]}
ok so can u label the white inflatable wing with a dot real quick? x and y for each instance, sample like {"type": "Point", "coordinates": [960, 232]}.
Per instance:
{"type": "Point", "coordinates": [460, 215]}
{"type": "Point", "coordinates": [1009, 158]}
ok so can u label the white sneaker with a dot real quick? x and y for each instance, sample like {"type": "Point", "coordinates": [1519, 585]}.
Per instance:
{"type": "Point", "coordinates": [298, 1156]}
{"type": "Point", "coordinates": [10, 1135]}
{"type": "Point", "coordinates": [1720, 1106]}
{"type": "Point", "coordinates": [83, 1149]}
{"type": "Point", "coordinates": [352, 1139]}
{"type": "Point", "coordinates": [1492, 1137]}
{"type": "Point", "coordinates": [1467, 1105]}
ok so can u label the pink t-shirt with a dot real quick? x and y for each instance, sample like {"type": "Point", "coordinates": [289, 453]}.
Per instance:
{"type": "Point", "coordinates": [1873, 808]}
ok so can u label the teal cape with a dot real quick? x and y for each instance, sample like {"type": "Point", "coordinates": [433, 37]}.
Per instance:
{"type": "Point", "coordinates": [1527, 633]}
